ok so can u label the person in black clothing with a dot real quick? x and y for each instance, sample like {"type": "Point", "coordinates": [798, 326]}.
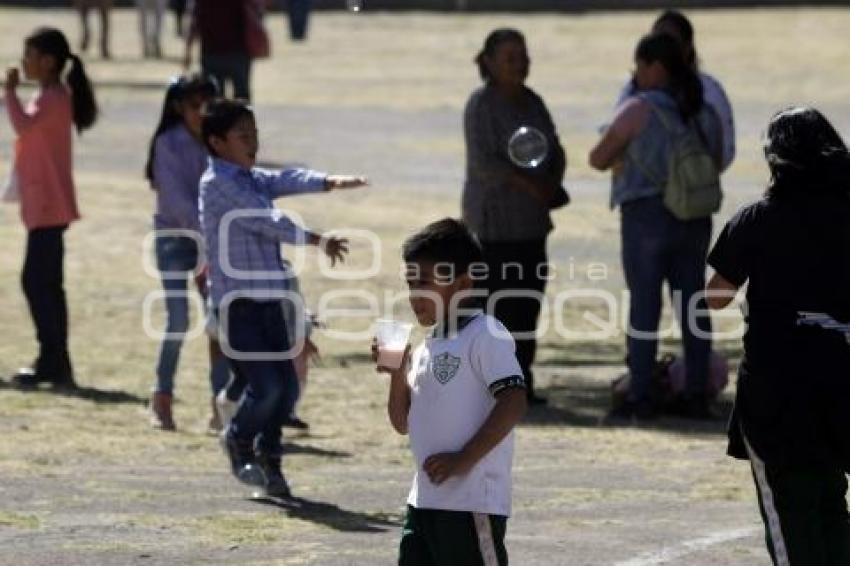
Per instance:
{"type": "Point", "coordinates": [792, 409]}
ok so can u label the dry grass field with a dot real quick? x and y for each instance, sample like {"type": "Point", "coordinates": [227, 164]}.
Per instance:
{"type": "Point", "coordinates": [84, 480]}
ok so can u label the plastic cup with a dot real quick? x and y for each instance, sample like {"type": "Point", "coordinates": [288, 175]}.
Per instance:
{"type": "Point", "coordinates": [392, 337]}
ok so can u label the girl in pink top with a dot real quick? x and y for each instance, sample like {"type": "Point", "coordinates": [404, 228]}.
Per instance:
{"type": "Point", "coordinates": [43, 180]}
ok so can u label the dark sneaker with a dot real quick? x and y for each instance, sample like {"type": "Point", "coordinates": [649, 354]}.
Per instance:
{"type": "Point", "coordinates": [276, 485]}
{"type": "Point", "coordinates": [29, 378]}
{"type": "Point", "coordinates": [294, 422]}
{"type": "Point", "coordinates": [243, 463]}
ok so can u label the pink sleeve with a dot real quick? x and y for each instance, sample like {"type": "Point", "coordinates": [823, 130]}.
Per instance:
{"type": "Point", "coordinates": [21, 119]}
{"type": "Point", "coordinates": [630, 118]}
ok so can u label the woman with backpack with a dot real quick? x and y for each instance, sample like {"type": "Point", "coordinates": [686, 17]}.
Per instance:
{"type": "Point", "coordinates": [792, 406]}
{"type": "Point", "coordinates": [640, 146]}
{"type": "Point", "coordinates": [676, 24]}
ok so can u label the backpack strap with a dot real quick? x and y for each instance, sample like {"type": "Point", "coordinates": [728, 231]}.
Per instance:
{"type": "Point", "coordinates": [665, 120]}
{"type": "Point", "coordinates": [631, 154]}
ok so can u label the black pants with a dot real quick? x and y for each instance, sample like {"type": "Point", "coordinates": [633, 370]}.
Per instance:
{"type": "Point", "coordinates": [434, 537]}
{"type": "Point", "coordinates": [804, 510]}
{"type": "Point", "coordinates": [234, 68]}
{"type": "Point", "coordinates": [520, 267]}
{"type": "Point", "coordinates": [299, 14]}
{"type": "Point", "coordinates": [42, 280]}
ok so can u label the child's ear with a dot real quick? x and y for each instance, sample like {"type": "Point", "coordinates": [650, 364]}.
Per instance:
{"type": "Point", "coordinates": [215, 142]}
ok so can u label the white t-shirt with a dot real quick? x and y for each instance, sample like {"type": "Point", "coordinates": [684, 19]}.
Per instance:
{"type": "Point", "coordinates": [715, 97]}
{"type": "Point", "coordinates": [452, 382]}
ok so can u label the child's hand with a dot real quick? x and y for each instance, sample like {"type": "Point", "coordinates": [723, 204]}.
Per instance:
{"type": "Point", "coordinates": [334, 248]}
{"type": "Point", "coordinates": [13, 78]}
{"type": "Point", "coordinates": [401, 370]}
{"type": "Point", "coordinates": [344, 182]}
{"type": "Point", "coordinates": [441, 467]}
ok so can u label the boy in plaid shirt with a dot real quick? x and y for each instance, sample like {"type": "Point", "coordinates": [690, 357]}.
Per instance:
{"type": "Point", "coordinates": [243, 232]}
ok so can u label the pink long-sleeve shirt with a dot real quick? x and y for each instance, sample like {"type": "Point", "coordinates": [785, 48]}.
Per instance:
{"type": "Point", "coordinates": [43, 160]}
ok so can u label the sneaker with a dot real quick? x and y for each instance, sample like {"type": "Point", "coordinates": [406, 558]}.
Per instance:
{"type": "Point", "coordinates": [160, 416]}
{"type": "Point", "coordinates": [243, 463]}
{"type": "Point", "coordinates": [276, 485]}
{"type": "Point", "coordinates": [293, 421]}
{"type": "Point", "coordinates": [226, 408]}
{"type": "Point", "coordinates": [30, 378]}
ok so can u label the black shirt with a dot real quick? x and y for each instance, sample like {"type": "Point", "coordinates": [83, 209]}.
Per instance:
{"type": "Point", "coordinates": [793, 400]}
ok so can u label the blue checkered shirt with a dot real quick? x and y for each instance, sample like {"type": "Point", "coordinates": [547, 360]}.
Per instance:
{"type": "Point", "coordinates": [243, 251]}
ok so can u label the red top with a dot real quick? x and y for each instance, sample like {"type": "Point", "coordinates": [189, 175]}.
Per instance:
{"type": "Point", "coordinates": [43, 159]}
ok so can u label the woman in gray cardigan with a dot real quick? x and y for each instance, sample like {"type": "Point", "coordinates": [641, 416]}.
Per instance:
{"type": "Point", "coordinates": [506, 206]}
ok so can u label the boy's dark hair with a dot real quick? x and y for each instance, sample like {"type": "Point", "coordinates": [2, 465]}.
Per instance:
{"type": "Point", "coordinates": [220, 117]}
{"type": "Point", "coordinates": [444, 241]}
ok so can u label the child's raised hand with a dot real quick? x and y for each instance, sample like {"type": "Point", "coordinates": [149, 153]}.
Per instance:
{"type": "Point", "coordinates": [335, 248]}
{"type": "Point", "coordinates": [345, 182]}
{"type": "Point", "coordinates": [402, 369]}
{"type": "Point", "coordinates": [13, 78]}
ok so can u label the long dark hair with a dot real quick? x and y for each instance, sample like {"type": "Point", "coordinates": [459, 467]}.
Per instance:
{"type": "Point", "coordinates": [178, 89]}
{"type": "Point", "coordinates": [806, 156]}
{"type": "Point", "coordinates": [495, 38]}
{"type": "Point", "coordinates": [51, 41]}
{"type": "Point", "coordinates": [685, 85]}
{"type": "Point", "coordinates": [684, 31]}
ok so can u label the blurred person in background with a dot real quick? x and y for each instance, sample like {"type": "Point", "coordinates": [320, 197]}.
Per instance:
{"type": "Point", "coordinates": [103, 8]}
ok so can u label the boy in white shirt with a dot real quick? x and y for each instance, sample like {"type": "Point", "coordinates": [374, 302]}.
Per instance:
{"type": "Point", "coordinates": [459, 396]}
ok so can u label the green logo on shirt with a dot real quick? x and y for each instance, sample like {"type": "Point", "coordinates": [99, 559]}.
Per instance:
{"type": "Point", "coordinates": [445, 367]}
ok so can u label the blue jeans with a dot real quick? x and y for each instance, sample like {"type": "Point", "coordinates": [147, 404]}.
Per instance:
{"type": "Point", "coordinates": [175, 254]}
{"type": "Point", "coordinates": [259, 327]}
{"type": "Point", "coordinates": [656, 247]}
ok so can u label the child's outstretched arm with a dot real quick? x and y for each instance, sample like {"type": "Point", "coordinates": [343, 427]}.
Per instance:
{"type": "Point", "coordinates": [509, 409]}
{"type": "Point", "coordinates": [293, 181]}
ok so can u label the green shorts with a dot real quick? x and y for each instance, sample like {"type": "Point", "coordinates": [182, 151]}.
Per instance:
{"type": "Point", "coordinates": [433, 537]}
